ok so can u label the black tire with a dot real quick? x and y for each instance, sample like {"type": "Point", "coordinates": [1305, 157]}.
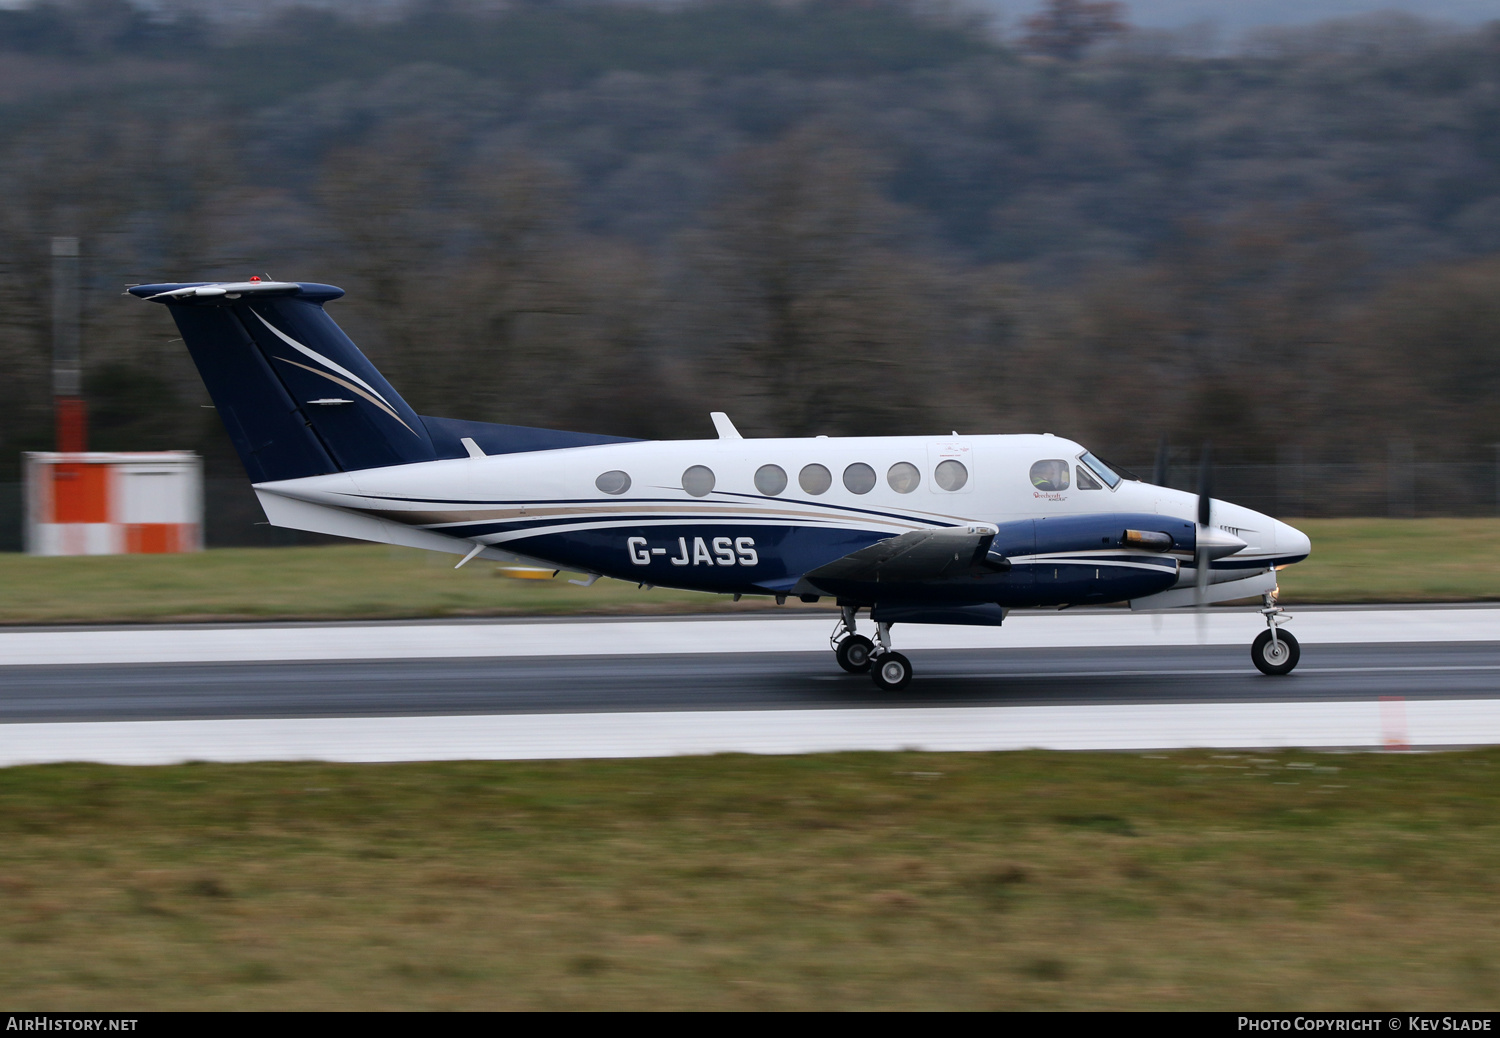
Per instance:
{"type": "Point", "coordinates": [1275, 659]}
{"type": "Point", "coordinates": [853, 653]}
{"type": "Point", "coordinates": [891, 671]}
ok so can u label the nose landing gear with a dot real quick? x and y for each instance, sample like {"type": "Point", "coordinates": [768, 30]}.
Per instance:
{"type": "Point", "coordinates": [1274, 651]}
{"type": "Point", "coordinates": [890, 670]}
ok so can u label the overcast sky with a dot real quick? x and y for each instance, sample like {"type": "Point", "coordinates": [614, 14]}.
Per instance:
{"type": "Point", "coordinates": [1228, 16]}
{"type": "Point", "coordinates": [1233, 16]}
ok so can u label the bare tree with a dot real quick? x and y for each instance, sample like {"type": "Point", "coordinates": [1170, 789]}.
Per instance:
{"type": "Point", "coordinates": [806, 302]}
{"type": "Point", "coordinates": [1068, 28]}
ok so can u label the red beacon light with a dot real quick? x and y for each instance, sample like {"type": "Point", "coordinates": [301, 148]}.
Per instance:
{"type": "Point", "coordinates": [254, 277]}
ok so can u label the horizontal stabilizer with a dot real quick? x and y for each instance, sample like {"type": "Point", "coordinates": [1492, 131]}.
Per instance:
{"type": "Point", "coordinates": [293, 514]}
{"type": "Point", "coordinates": [224, 290]}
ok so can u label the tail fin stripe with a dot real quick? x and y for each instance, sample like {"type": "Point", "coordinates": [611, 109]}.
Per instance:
{"type": "Point", "coordinates": [351, 387]}
{"type": "Point", "coordinates": [315, 355]}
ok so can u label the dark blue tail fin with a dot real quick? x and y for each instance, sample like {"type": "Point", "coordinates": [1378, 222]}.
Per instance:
{"type": "Point", "coordinates": [296, 396]}
{"type": "Point", "coordinates": [299, 399]}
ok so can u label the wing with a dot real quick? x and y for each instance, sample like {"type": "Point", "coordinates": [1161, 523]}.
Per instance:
{"type": "Point", "coordinates": [922, 555]}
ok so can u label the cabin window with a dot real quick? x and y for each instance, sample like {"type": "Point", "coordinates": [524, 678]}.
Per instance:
{"type": "Point", "coordinates": [613, 482]}
{"type": "Point", "coordinates": [1086, 480]}
{"type": "Point", "coordinates": [951, 475]}
{"type": "Point", "coordinates": [904, 477]}
{"type": "Point", "coordinates": [814, 479]}
{"type": "Point", "coordinates": [698, 480]}
{"type": "Point", "coordinates": [1050, 475]}
{"type": "Point", "coordinates": [859, 478]}
{"type": "Point", "coordinates": [770, 480]}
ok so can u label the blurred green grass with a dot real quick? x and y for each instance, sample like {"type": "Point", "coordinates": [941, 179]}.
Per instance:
{"type": "Point", "coordinates": [1353, 560]}
{"type": "Point", "coordinates": [310, 583]}
{"type": "Point", "coordinates": [1396, 560]}
{"type": "Point", "coordinates": [1189, 880]}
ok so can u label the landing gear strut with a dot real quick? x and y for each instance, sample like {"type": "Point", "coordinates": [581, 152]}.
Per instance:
{"type": "Point", "coordinates": [889, 669]}
{"type": "Point", "coordinates": [1274, 651]}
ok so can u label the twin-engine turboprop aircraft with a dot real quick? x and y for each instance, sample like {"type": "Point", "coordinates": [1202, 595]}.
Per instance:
{"type": "Point", "coordinates": [915, 529]}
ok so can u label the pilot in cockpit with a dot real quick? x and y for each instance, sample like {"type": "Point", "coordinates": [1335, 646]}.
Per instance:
{"type": "Point", "coordinates": [1050, 475]}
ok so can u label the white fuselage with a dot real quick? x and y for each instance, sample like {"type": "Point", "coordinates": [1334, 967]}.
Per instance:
{"type": "Point", "coordinates": [700, 501]}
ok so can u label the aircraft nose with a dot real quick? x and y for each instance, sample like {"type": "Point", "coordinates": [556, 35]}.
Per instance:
{"type": "Point", "coordinates": [1217, 543]}
{"type": "Point", "coordinates": [1291, 541]}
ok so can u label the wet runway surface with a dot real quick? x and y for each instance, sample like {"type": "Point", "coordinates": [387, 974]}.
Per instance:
{"type": "Point", "coordinates": [765, 681]}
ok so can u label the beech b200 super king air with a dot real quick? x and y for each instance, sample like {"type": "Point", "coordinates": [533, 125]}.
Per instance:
{"type": "Point", "coordinates": [914, 529]}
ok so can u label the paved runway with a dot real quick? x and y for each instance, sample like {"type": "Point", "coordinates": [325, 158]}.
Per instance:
{"type": "Point", "coordinates": [748, 635]}
{"type": "Point", "coordinates": [1383, 677]}
{"type": "Point", "coordinates": [766, 681]}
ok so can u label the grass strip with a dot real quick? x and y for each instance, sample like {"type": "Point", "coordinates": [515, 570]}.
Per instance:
{"type": "Point", "coordinates": [355, 581]}
{"type": "Point", "coordinates": [1396, 560]}
{"type": "Point", "coordinates": [1190, 880]}
{"type": "Point", "coordinates": [1353, 560]}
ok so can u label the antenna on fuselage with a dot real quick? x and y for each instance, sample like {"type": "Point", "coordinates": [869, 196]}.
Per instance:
{"type": "Point", "coordinates": [724, 427]}
{"type": "Point", "coordinates": [1163, 460]}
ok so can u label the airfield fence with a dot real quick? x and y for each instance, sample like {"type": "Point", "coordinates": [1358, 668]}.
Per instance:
{"type": "Point", "coordinates": [1397, 486]}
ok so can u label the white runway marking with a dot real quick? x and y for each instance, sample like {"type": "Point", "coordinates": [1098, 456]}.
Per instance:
{"type": "Point", "coordinates": [747, 635]}
{"type": "Point", "coordinates": [1369, 725]}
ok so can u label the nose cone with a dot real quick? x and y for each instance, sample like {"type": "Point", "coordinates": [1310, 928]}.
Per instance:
{"type": "Point", "coordinates": [1217, 543]}
{"type": "Point", "coordinates": [1292, 541]}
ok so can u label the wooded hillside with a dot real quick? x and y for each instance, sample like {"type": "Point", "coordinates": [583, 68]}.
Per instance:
{"type": "Point", "coordinates": [822, 217]}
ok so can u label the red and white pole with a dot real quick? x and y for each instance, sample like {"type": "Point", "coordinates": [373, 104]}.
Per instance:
{"type": "Point", "coordinates": [67, 368]}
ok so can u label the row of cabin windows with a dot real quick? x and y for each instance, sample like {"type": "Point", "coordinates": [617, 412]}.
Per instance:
{"type": "Point", "coordinates": [1051, 475]}
{"type": "Point", "coordinates": [859, 478]}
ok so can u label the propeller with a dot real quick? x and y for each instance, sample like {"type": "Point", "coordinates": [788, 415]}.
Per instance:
{"type": "Point", "coordinates": [1200, 557]}
{"type": "Point", "coordinates": [1163, 457]}
{"type": "Point", "coordinates": [1201, 540]}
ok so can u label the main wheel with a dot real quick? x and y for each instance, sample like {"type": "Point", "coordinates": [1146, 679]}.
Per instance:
{"type": "Point", "coordinates": [891, 671]}
{"type": "Point", "coordinates": [853, 653]}
{"type": "Point", "coordinates": [1275, 657]}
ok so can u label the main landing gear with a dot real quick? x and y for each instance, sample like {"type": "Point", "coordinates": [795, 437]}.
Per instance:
{"type": "Point", "coordinates": [1274, 651]}
{"type": "Point", "coordinates": [889, 669]}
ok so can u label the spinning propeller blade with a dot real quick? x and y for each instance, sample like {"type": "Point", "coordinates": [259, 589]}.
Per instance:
{"type": "Point", "coordinates": [1205, 523]}
{"type": "Point", "coordinates": [1159, 475]}
{"type": "Point", "coordinates": [1205, 484]}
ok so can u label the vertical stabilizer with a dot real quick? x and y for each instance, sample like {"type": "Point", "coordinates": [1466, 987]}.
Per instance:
{"type": "Point", "coordinates": [296, 396]}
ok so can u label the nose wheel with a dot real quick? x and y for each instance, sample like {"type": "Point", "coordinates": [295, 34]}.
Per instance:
{"type": "Point", "coordinates": [1274, 651]}
{"type": "Point", "coordinates": [1275, 655]}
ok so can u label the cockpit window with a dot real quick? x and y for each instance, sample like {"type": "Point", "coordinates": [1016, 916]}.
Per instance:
{"type": "Point", "coordinates": [1086, 480]}
{"type": "Point", "coordinates": [1051, 475]}
{"type": "Point", "coordinates": [1102, 470]}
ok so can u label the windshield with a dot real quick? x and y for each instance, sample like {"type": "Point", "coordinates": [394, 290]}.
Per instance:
{"type": "Point", "coordinates": [1100, 469]}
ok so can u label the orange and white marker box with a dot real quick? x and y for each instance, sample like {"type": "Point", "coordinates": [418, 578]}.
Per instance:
{"type": "Point", "coordinates": [106, 503]}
